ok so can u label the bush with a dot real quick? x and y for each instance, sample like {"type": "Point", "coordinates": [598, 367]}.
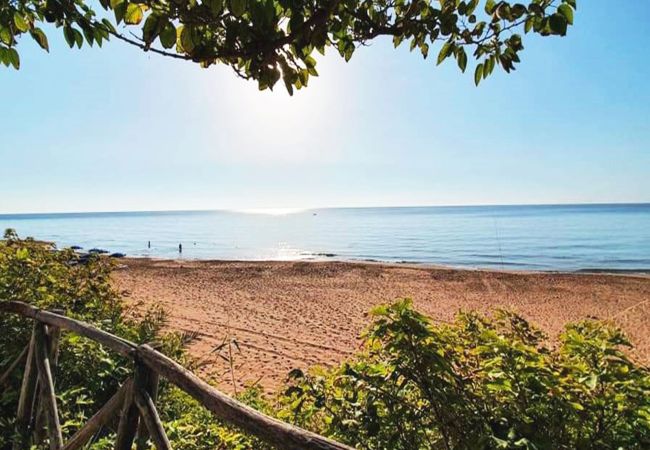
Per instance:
{"type": "Point", "coordinates": [478, 383]}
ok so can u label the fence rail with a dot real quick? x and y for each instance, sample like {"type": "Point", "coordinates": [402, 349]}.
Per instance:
{"type": "Point", "coordinates": [134, 402]}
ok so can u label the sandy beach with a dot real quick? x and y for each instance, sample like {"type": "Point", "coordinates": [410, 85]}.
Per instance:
{"type": "Point", "coordinates": [298, 314]}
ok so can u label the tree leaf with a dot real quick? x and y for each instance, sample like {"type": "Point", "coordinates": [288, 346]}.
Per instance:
{"type": "Point", "coordinates": [168, 35]}
{"type": "Point", "coordinates": [20, 22]}
{"type": "Point", "coordinates": [462, 59]}
{"type": "Point", "coordinates": [238, 7]}
{"type": "Point", "coordinates": [6, 36]}
{"type": "Point", "coordinates": [119, 8]}
{"type": "Point", "coordinates": [68, 34]}
{"type": "Point", "coordinates": [184, 39]}
{"type": "Point", "coordinates": [150, 30]}
{"type": "Point", "coordinates": [40, 38]}
{"type": "Point", "coordinates": [78, 37]}
{"type": "Point", "coordinates": [478, 74]}
{"type": "Point", "coordinates": [134, 14]}
{"type": "Point", "coordinates": [567, 12]}
{"type": "Point", "coordinates": [444, 52]}
{"type": "Point", "coordinates": [558, 24]}
{"type": "Point", "coordinates": [14, 58]}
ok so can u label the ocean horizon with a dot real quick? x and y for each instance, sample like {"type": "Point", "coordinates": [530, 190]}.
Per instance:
{"type": "Point", "coordinates": [564, 237]}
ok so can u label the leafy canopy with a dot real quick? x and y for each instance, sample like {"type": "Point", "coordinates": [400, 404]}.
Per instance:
{"type": "Point", "coordinates": [267, 40]}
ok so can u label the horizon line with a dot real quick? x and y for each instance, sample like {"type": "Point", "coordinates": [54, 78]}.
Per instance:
{"type": "Point", "coordinates": [292, 210]}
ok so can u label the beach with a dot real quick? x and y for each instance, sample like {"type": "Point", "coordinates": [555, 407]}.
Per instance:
{"type": "Point", "coordinates": [286, 315]}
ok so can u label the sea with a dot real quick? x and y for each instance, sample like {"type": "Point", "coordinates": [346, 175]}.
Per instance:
{"type": "Point", "coordinates": [532, 237]}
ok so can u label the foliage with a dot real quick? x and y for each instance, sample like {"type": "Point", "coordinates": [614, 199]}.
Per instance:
{"type": "Point", "coordinates": [267, 40]}
{"type": "Point", "coordinates": [478, 384]}
{"type": "Point", "coordinates": [192, 427]}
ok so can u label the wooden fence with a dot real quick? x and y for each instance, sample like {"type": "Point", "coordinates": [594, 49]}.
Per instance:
{"type": "Point", "coordinates": [135, 400]}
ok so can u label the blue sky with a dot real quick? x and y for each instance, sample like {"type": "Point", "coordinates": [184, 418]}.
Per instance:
{"type": "Point", "coordinates": [115, 129]}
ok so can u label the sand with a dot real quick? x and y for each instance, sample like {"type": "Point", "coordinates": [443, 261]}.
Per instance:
{"type": "Point", "coordinates": [285, 315]}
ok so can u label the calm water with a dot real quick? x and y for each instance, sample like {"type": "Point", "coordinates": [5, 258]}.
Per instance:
{"type": "Point", "coordinates": [567, 237]}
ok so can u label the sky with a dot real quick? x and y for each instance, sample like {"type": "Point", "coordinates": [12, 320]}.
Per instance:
{"type": "Point", "coordinates": [116, 129]}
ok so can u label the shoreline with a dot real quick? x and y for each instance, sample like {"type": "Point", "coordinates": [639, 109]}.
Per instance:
{"type": "Point", "coordinates": [412, 264]}
{"type": "Point", "coordinates": [288, 314]}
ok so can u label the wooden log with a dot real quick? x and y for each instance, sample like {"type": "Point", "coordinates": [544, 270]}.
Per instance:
{"type": "Point", "coordinates": [16, 362]}
{"type": "Point", "coordinates": [151, 419]}
{"type": "Point", "coordinates": [46, 382]}
{"type": "Point", "coordinates": [26, 399]}
{"type": "Point", "coordinates": [276, 432]}
{"type": "Point", "coordinates": [117, 344]}
{"type": "Point", "coordinates": [110, 409]}
{"type": "Point", "coordinates": [52, 337]}
{"type": "Point", "coordinates": [129, 419]}
{"type": "Point", "coordinates": [148, 380]}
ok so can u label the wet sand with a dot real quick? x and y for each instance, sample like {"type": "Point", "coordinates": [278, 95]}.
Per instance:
{"type": "Point", "coordinates": [297, 314]}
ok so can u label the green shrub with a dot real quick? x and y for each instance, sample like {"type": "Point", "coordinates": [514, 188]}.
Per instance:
{"type": "Point", "coordinates": [477, 384]}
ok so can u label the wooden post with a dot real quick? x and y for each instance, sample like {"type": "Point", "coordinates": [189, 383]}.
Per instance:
{"type": "Point", "coordinates": [148, 381]}
{"type": "Point", "coordinates": [101, 417]}
{"type": "Point", "coordinates": [54, 334]}
{"type": "Point", "coordinates": [26, 400]}
{"type": "Point", "coordinates": [52, 340]}
{"type": "Point", "coordinates": [48, 397]}
{"type": "Point", "coordinates": [152, 420]}
{"type": "Point", "coordinates": [129, 419]}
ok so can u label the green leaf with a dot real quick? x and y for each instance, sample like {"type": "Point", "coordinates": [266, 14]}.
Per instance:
{"type": "Point", "coordinates": [68, 34]}
{"type": "Point", "coordinates": [592, 381]}
{"type": "Point", "coordinates": [134, 14]}
{"type": "Point", "coordinates": [4, 56]}
{"type": "Point", "coordinates": [558, 24]}
{"type": "Point", "coordinates": [444, 52]}
{"type": "Point", "coordinates": [119, 8]}
{"type": "Point", "coordinates": [529, 24]}
{"type": "Point", "coordinates": [88, 34]}
{"type": "Point", "coordinates": [478, 74]}
{"type": "Point", "coordinates": [489, 66]}
{"type": "Point", "coordinates": [577, 406]}
{"type": "Point", "coordinates": [238, 7]}
{"type": "Point", "coordinates": [184, 38]}
{"type": "Point", "coordinates": [462, 59]}
{"type": "Point", "coordinates": [14, 58]}
{"type": "Point", "coordinates": [168, 35]}
{"type": "Point", "coordinates": [78, 38]}
{"type": "Point", "coordinates": [40, 38]}
{"type": "Point", "coordinates": [6, 36]}
{"type": "Point", "coordinates": [150, 30]}
{"type": "Point", "coordinates": [21, 23]}
{"type": "Point", "coordinates": [490, 5]}
{"type": "Point", "coordinates": [567, 12]}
